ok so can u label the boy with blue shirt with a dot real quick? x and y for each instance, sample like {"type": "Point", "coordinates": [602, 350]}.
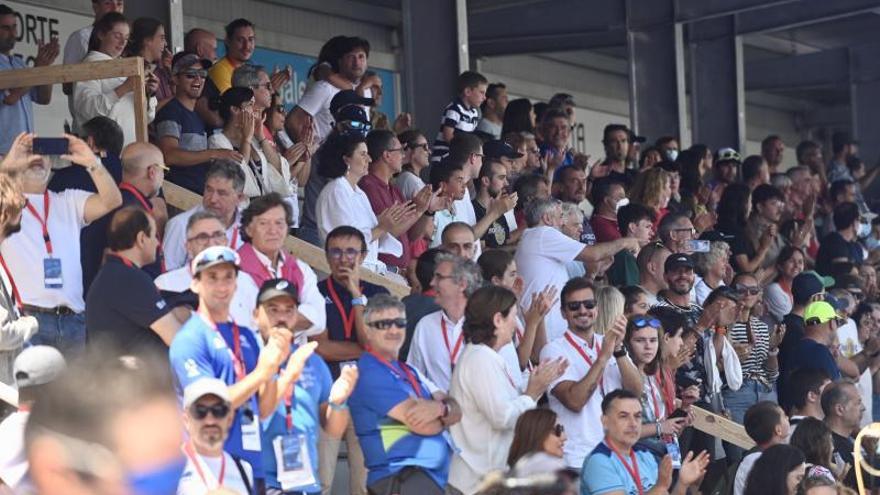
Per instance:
{"type": "Point", "coordinates": [616, 466]}
{"type": "Point", "coordinates": [208, 345]}
{"type": "Point", "coordinates": [307, 400]}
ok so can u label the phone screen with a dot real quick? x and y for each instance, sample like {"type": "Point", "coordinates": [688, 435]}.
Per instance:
{"type": "Point", "coordinates": [50, 146]}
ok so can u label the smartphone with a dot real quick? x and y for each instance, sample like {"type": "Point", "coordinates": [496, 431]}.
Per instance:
{"type": "Point", "coordinates": [699, 246]}
{"type": "Point", "coordinates": [50, 146]}
{"type": "Point", "coordinates": [686, 381]}
{"type": "Point", "coordinates": [678, 413]}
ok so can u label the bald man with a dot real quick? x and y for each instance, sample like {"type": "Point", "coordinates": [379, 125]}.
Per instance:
{"type": "Point", "coordinates": [458, 238]}
{"type": "Point", "coordinates": [201, 42]}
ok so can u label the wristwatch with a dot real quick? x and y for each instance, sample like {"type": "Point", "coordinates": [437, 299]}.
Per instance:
{"type": "Point", "coordinates": [359, 301]}
{"type": "Point", "coordinates": [619, 354]}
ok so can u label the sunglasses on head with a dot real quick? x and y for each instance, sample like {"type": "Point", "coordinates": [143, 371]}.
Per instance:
{"type": "Point", "coordinates": [642, 322]}
{"type": "Point", "coordinates": [576, 305]}
{"type": "Point", "coordinates": [219, 411]}
{"type": "Point", "coordinates": [558, 430]}
{"type": "Point", "coordinates": [386, 324]}
{"type": "Point", "coordinates": [211, 255]}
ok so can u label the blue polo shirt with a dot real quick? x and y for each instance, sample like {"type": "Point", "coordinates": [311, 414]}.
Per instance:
{"type": "Point", "coordinates": [17, 118]}
{"type": "Point", "coordinates": [311, 390]}
{"type": "Point", "coordinates": [177, 121]}
{"type": "Point", "coordinates": [810, 354]}
{"type": "Point", "coordinates": [198, 351]}
{"type": "Point", "coordinates": [388, 444]}
{"type": "Point", "coordinates": [604, 473]}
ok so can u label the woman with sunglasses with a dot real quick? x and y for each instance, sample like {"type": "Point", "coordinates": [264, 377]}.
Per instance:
{"type": "Point", "coordinates": [757, 349]}
{"type": "Point", "coordinates": [536, 430]}
{"type": "Point", "coordinates": [416, 156]}
{"type": "Point", "coordinates": [645, 340]}
{"type": "Point", "coordinates": [298, 155]}
{"type": "Point", "coordinates": [482, 386]}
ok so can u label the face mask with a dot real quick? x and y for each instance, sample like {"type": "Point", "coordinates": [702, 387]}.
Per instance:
{"type": "Point", "coordinates": [620, 204]}
{"type": "Point", "coordinates": [672, 155]}
{"type": "Point", "coordinates": [160, 481]}
{"type": "Point", "coordinates": [864, 229]}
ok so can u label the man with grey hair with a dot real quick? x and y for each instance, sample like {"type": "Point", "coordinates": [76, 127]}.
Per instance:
{"type": "Point", "coordinates": [544, 251]}
{"type": "Point", "coordinates": [394, 397]}
{"type": "Point", "coordinates": [434, 352]}
{"type": "Point", "coordinates": [676, 231]}
{"type": "Point", "coordinates": [224, 191]}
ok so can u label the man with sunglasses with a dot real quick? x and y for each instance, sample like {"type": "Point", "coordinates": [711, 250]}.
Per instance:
{"type": "Point", "coordinates": [208, 416]}
{"type": "Point", "coordinates": [598, 364]}
{"type": "Point", "coordinates": [820, 323]}
{"type": "Point", "coordinates": [181, 133]}
{"type": "Point", "coordinates": [394, 399]}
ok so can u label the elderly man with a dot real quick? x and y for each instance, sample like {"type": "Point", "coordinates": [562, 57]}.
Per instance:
{"type": "Point", "coordinates": [208, 416]}
{"type": "Point", "coordinates": [224, 191]}
{"type": "Point", "coordinates": [43, 260]}
{"type": "Point", "coordinates": [264, 226]}
{"type": "Point", "coordinates": [544, 251]}
{"type": "Point", "coordinates": [676, 231]}
{"type": "Point", "coordinates": [458, 238]}
{"type": "Point", "coordinates": [438, 338]}
{"type": "Point", "coordinates": [205, 229]}
{"type": "Point", "coordinates": [392, 397]}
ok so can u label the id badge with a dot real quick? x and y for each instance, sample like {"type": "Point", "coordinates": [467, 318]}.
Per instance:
{"type": "Point", "coordinates": [52, 273]}
{"type": "Point", "coordinates": [293, 462]}
{"type": "Point", "coordinates": [250, 430]}
{"type": "Point", "coordinates": [674, 452]}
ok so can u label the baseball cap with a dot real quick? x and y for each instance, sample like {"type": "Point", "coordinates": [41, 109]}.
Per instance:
{"type": "Point", "coordinates": [806, 284]}
{"type": "Point", "coordinates": [348, 97]}
{"type": "Point", "coordinates": [727, 154]}
{"type": "Point", "coordinates": [497, 148]}
{"type": "Point", "coordinates": [835, 302]}
{"type": "Point", "coordinates": [38, 365]}
{"type": "Point", "coordinates": [820, 312]}
{"type": "Point", "coordinates": [213, 256]}
{"type": "Point", "coordinates": [678, 260]}
{"type": "Point", "coordinates": [202, 387]}
{"type": "Point", "coordinates": [277, 287]}
{"type": "Point", "coordinates": [185, 60]}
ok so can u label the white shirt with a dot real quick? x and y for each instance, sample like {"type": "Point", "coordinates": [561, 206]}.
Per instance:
{"type": "Point", "coordinates": [13, 461]}
{"type": "Point", "coordinates": [848, 334]}
{"type": "Point", "coordinates": [778, 302]}
{"type": "Point", "coordinates": [316, 102]}
{"type": "Point", "coordinates": [490, 406]}
{"type": "Point", "coordinates": [541, 260]}
{"type": "Point", "coordinates": [241, 309]}
{"type": "Point", "coordinates": [584, 428]}
{"type": "Point", "coordinates": [428, 351]}
{"type": "Point", "coordinates": [341, 204]}
{"type": "Point", "coordinates": [174, 243]}
{"type": "Point", "coordinates": [701, 290]}
{"type": "Point", "coordinates": [462, 211]}
{"type": "Point", "coordinates": [742, 472]}
{"type": "Point", "coordinates": [98, 97]}
{"type": "Point", "coordinates": [25, 251]}
{"type": "Point", "coordinates": [409, 184]}
{"type": "Point", "coordinates": [192, 484]}
{"type": "Point", "coordinates": [272, 179]}
{"type": "Point", "coordinates": [511, 361]}
{"type": "Point", "coordinates": [311, 304]}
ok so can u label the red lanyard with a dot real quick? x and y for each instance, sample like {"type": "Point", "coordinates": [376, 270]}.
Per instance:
{"type": "Point", "coordinates": [596, 348]}
{"type": "Point", "coordinates": [453, 353]}
{"type": "Point", "coordinates": [15, 293]}
{"type": "Point", "coordinates": [125, 261]}
{"type": "Point", "coordinates": [234, 240]}
{"type": "Point", "coordinates": [653, 398]}
{"type": "Point", "coordinates": [43, 221]}
{"type": "Point", "coordinates": [148, 207]}
{"type": "Point", "coordinates": [667, 389]}
{"type": "Point", "coordinates": [289, 404]}
{"type": "Point", "coordinates": [632, 469]}
{"type": "Point", "coordinates": [347, 320]}
{"type": "Point", "coordinates": [194, 458]}
{"type": "Point", "coordinates": [410, 377]}
{"type": "Point", "coordinates": [237, 359]}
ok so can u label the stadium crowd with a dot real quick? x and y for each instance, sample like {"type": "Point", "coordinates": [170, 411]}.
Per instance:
{"type": "Point", "coordinates": [567, 316]}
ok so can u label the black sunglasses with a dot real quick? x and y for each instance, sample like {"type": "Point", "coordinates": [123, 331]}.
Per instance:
{"type": "Point", "coordinates": [576, 305]}
{"type": "Point", "coordinates": [643, 322]}
{"type": "Point", "coordinates": [386, 324]}
{"type": "Point", "coordinates": [745, 289]}
{"type": "Point", "coordinates": [558, 430]}
{"type": "Point", "coordinates": [219, 411]}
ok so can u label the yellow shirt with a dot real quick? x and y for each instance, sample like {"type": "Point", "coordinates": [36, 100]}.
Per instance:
{"type": "Point", "coordinates": [221, 74]}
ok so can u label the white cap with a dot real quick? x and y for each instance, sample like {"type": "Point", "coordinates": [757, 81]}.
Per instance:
{"type": "Point", "coordinates": [202, 387]}
{"type": "Point", "coordinates": [38, 365]}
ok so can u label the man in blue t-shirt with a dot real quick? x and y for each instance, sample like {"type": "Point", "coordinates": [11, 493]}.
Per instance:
{"type": "Point", "coordinates": [399, 415]}
{"type": "Point", "coordinates": [210, 345]}
{"type": "Point", "coordinates": [307, 402]}
{"type": "Point", "coordinates": [616, 465]}
{"type": "Point", "coordinates": [820, 325]}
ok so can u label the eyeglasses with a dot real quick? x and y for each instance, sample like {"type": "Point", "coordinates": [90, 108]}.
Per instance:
{"type": "Point", "coordinates": [336, 254]}
{"type": "Point", "coordinates": [267, 86]}
{"type": "Point", "coordinates": [219, 411]}
{"type": "Point", "coordinates": [576, 305]}
{"type": "Point", "coordinates": [643, 322]}
{"type": "Point", "coordinates": [689, 230]}
{"type": "Point", "coordinates": [205, 237]}
{"type": "Point", "coordinates": [747, 289]}
{"type": "Point", "coordinates": [192, 74]}
{"type": "Point", "coordinates": [386, 324]}
{"type": "Point", "coordinates": [558, 430]}
{"type": "Point", "coordinates": [817, 321]}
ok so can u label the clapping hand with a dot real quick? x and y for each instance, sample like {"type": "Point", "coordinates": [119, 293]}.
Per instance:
{"type": "Point", "coordinates": [693, 468]}
{"type": "Point", "coordinates": [344, 385]}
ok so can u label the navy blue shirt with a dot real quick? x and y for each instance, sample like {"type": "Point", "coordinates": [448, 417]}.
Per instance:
{"type": "Point", "coordinates": [812, 355]}
{"type": "Point", "coordinates": [177, 121]}
{"type": "Point", "coordinates": [834, 246]}
{"type": "Point", "coordinates": [335, 326]}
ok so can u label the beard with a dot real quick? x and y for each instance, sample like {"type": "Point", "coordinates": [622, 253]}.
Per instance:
{"type": "Point", "coordinates": [38, 173]}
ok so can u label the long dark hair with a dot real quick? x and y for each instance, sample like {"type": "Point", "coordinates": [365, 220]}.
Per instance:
{"type": "Point", "coordinates": [770, 472]}
{"type": "Point", "coordinates": [516, 117]}
{"type": "Point", "coordinates": [732, 207]}
{"type": "Point", "coordinates": [141, 29]}
{"type": "Point", "coordinates": [813, 438]}
{"type": "Point", "coordinates": [529, 434]}
{"type": "Point", "coordinates": [333, 152]}
{"type": "Point", "coordinates": [103, 26]}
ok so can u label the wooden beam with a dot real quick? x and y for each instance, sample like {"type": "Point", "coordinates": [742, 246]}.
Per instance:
{"type": "Point", "coordinates": [313, 256]}
{"type": "Point", "coordinates": [721, 427]}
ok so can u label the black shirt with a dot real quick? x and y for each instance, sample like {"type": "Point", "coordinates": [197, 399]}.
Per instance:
{"type": "Point", "coordinates": [794, 332]}
{"type": "Point", "coordinates": [335, 325]}
{"type": "Point", "coordinates": [121, 306]}
{"type": "Point", "coordinates": [834, 246]}
{"type": "Point", "coordinates": [738, 240]}
{"type": "Point", "coordinates": [497, 233]}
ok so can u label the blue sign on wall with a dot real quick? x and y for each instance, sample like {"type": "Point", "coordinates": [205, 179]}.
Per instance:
{"type": "Point", "coordinates": [300, 64]}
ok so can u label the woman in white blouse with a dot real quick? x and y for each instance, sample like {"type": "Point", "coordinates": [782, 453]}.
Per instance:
{"type": "Point", "coordinates": [112, 97]}
{"type": "Point", "coordinates": [344, 158]}
{"type": "Point", "coordinates": [484, 389]}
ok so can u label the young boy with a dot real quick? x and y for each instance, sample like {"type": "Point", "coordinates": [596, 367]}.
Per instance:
{"type": "Point", "coordinates": [463, 113]}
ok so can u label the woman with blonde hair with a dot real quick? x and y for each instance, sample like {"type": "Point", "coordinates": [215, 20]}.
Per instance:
{"type": "Point", "coordinates": [712, 267]}
{"type": "Point", "coordinates": [610, 305]}
{"type": "Point", "coordinates": [653, 188]}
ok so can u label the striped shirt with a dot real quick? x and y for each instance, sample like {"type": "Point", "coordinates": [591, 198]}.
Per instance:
{"type": "Point", "coordinates": [753, 368]}
{"type": "Point", "coordinates": [461, 118]}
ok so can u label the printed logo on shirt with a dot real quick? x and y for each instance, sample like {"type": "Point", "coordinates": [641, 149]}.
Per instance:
{"type": "Point", "coordinates": [192, 369]}
{"type": "Point", "coordinates": [327, 300]}
{"type": "Point", "coordinates": [161, 304]}
{"type": "Point", "coordinates": [219, 343]}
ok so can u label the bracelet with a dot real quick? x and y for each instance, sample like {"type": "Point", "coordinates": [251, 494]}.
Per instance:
{"type": "Point", "coordinates": [773, 353]}
{"type": "Point", "coordinates": [91, 168]}
{"type": "Point", "coordinates": [339, 407]}
{"type": "Point", "coordinates": [659, 429]}
{"type": "Point", "coordinates": [619, 354]}
{"type": "Point", "coordinates": [429, 213]}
